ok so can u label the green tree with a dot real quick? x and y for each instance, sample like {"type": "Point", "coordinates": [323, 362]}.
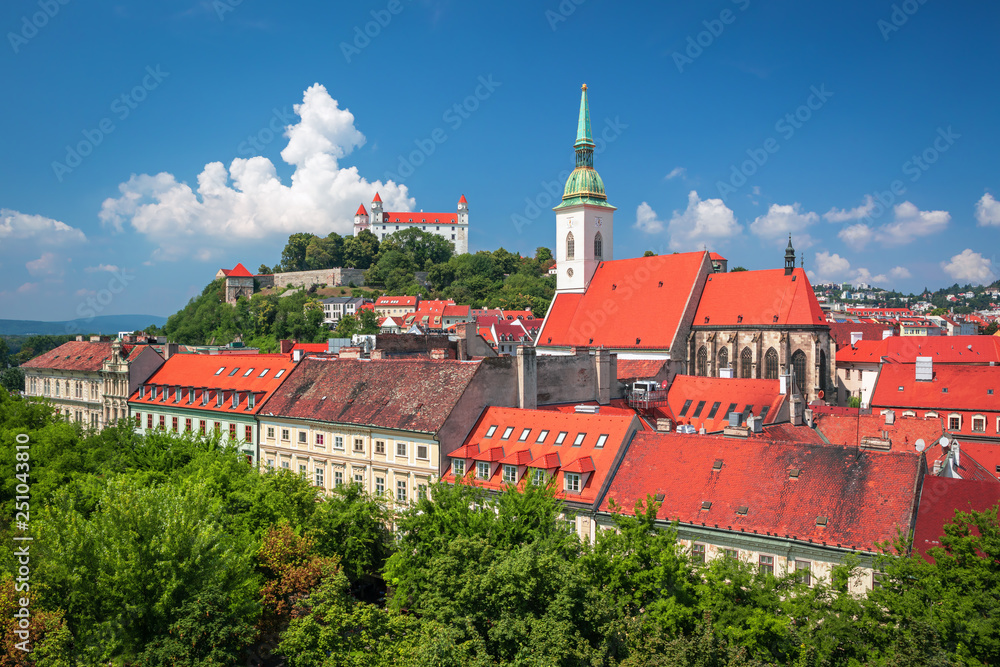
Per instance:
{"type": "Point", "coordinates": [346, 327]}
{"type": "Point", "coordinates": [368, 320]}
{"type": "Point", "coordinates": [4, 354]}
{"type": "Point", "coordinates": [736, 269]}
{"type": "Point", "coordinates": [360, 251]}
{"type": "Point", "coordinates": [12, 379]}
{"type": "Point", "coordinates": [293, 257]}
{"type": "Point", "coordinates": [543, 254]}
{"type": "Point", "coordinates": [649, 253]}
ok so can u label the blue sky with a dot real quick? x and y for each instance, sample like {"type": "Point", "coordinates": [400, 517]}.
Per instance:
{"type": "Point", "coordinates": [148, 144]}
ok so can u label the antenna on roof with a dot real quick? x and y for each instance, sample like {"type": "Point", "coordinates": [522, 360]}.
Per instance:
{"type": "Point", "coordinates": [921, 445]}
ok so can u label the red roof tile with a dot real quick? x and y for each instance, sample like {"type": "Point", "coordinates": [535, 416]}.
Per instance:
{"type": "Point", "coordinates": [421, 218]}
{"type": "Point", "coordinates": [215, 372]}
{"type": "Point", "coordinates": [584, 458]}
{"type": "Point", "coordinates": [864, 496]}
{"type": "Point", "coordinates": [841, 331]}
{"type": "Point", "coordinates": [311, 347]}
{"type": "Point", "coordinates": [752, 298]}
{"type": "Point", "coordinates": [462, 200]}
{"type": "Point", "coordinates": [954, 387]}
{"type": "Point", "coordinates": [376, 198]}
{"type": "Point", "coordinates": [637, 369]}
{"type": "Point", "coordinates": [709, 399]}
{"type": "Point", "coordinates": [902, 434]}
{"type": "Point", "coordinates": [986, 454]}
{"type": "Point", "coordinates": [361, 210]}
{"type": "Point", "coordinates": [941, 497]}
{"type": "Point", "coordinates": [630, 303]}
{"type": "Point", "coordinates": [74, 356]}
{"type": "Point", "coordinates": [239, 271]}
{"type": "Point", "coordinates": [942, 350]}
{"type": "Point", "coordinates": [407, 394]}
{"type": "Point", "coordinates": [716, 256]}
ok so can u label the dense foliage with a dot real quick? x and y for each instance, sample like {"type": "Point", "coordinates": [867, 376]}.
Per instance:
{"type": "Point", "coordinates": [168, 550]}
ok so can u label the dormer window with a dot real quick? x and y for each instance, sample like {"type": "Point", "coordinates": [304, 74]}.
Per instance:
{"type": "Point", "coordinates": [510, 474]}
{"type": "Point", "coordinates": [572, 481]}
{"type": "Point", "coordinates": [219, 372]}
{"type": "Point", "coordinates": [458, 467]}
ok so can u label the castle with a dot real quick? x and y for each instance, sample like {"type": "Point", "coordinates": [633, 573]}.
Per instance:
{"type": "Point", "coordinates": [452, 227]}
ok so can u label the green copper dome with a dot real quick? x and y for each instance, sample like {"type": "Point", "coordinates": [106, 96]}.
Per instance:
{"type": "Point", "coordinates": [584, 185]}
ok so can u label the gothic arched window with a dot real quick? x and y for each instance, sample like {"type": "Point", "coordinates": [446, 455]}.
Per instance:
{"type": "Point", "coordinates": [799, 368]}
{"type": "Point", "coordinates": [823, 372]}
{"type": "Point", "coordinates": [724, 358]}
{"type": "Point", "coordinates": [570, 246]}
{"type": "Point", "coordinates": [598, 246]}
{"type": "Point", "coordinates": [771, 365]}
{"type": "Point", "coordinates": [702, 366]}
{"type": "Point", "coordinates": [746, 363]}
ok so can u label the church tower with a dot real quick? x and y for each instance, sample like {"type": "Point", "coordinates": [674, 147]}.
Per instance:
{"type": "Point", "coordinates": [789, 257]}
{"type": "Point", "coordinates": [584, 218]}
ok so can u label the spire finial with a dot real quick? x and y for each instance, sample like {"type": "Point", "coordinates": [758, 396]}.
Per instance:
{"type": "Point", "coordinates": [584, 137]}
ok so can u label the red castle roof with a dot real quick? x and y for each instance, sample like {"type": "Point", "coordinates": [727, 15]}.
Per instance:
{"type": "Point", "coordinates": [239, 271]}
{"type": "Point", "coordinates": [461, 200]}
{"type": "Point", "coordinates": [377, 198]}
{"type": "Point", "coordinates": [361, 210]}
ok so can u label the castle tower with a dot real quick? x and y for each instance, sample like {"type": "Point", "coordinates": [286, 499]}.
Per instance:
{"type": "Point", "coordinates": [360, 220]}
{"type": "Point", "coordinates": [584, 218]}
{"type": "Point", "coordinates": [376, 217]}
{"type": "Point", "coordinates": [789, 257]}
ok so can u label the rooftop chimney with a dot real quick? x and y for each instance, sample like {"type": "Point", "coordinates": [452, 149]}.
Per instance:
{"type": "Point", "coordinates": [169, 350]}
{"type": "Point", "coordinates": [856, 336]}
{"type": "Point", "coordinates": [782, 384]}
{"type": "Point", "coordinates": [296, 356]}
{"type": "Point", "coordinates": [890, 417]}
{"type": "Point", "coordinates": [925, 369]}
{"type": "Point", "coordinates": [438, 353]}
{"type": "Point", "coordinates": [286, 346]}
{"type": "Point", "coordinates": [664, 424]}
{"type": "Point", "coordinates": [886, 333]}
{"type": "Point", "coordinates": [726, 372]}
{"type": "Point", "coordinates": [350, 353]}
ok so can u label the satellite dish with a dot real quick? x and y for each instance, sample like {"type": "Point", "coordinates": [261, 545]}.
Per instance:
{"type": "Point", "coordinates": [921, 445]}
{"type": "Point", "coordinates": [944, 442]}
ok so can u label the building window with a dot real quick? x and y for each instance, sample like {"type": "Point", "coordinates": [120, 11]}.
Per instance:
{"type": "Point", "coordinates": [538, 477]}
{"type": "Point", "coordinates": [570, 246]}
{"type": "Point", "coordinates": [421, 492]}
{"type": "Point", "coordinates": [524, 435]}
{"type": "Point", "coordinates": [338, 442]}
{"type": "Point", "coordinates": [232, 431]}
{"type": "Point", "coordinates": [702, 365]}
{"type": "Point", "coordinates": [542, 435]}
{"type": "Point", "coordinates": [422, 452]}
{"type": "Point", "coordinates": [380, 485]}
{"type": "Point", "coordinates": [320, 473]}
{"type": "Point", "coordinates": [698, 553]}
{"type": "Point", "coordinates": [359, 444]}
{"type": "Point", "coordinates": [338, 478]}
{"type": "Point", "coordinates": [733, 554]}
{"type": "Point", "coordinates": [483, 469]}
{"type": "Point", "coordinates": [248, 434]}
{"type": "Point", "coordinates": [767, 564]}
{"type": "Point", "coordinates": [359, 478]}
{"type": "Point", "coordinates": [149, 421]}
{"type": "Point", "coordinates": [803, 570]}
{"type": "Point", "coordinates": [979, 424]}
{"type": "Point", "coordinates": [579, 439]}
{"type": "Point", "coordinates": [746, 363]}
{"type": "Point", "coordinates": [163, 423]}
{"type": "Point", "coordinates": [799, 368]}
{"type": "Point", "coordinates": [598, 246]}
{"type": "Point", "coordinates": [954, 422]}
{"type": "Point", "coordinates": [187, 425]}
{"type": "Point", "coordinates": [510, 474]}
{"type": "Point", "coordinates": [285, 465]}
{"type": "Point", "coordinates": [724, 357]}
{"type": "Point", "coordinates": [320, 440]}
{"type": "Point", "coordinates": [492, 429]}
{"type": "Point", "coordinates": [201, 426]}
{"type": "Point", "coordinates": [562, 436]}
{"type": "Point", "coordinates": [401, 491]}
{"type": "Point", "coordinates": [302, 469]}
{"type": "Point", "coordinates": [572, 481]}
{"type": "Point", "coordinates": [458, 467]}
{"type": "Point", "coordinates": [302, 437]}
{"type": "Point", "coordinates": [506, 432]}
{"type": "Point", "coordinates": [847, 374]}
{"type": "Point", "coordinates": [380, 446]}
{"type": "Point", "coordinates": [270, 464]}
{"type": "Point", "coordinates": [771, 364]}
{"type": "Point", "coordinates": [400, 449]}
{"type": "Point", "coordinates": [218, 427]}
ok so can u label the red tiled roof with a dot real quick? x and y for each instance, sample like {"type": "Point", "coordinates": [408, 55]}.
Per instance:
{"type": "Point", "coordinates": [967, 468]}
{"type": "Point", "coordinates": [841, 331]}
{"type": "Point", "coordinates": [715, 256]}
{"type": "Point", "coordinates": [714, 396]}
{"type": "Point", "coordinates": [453, 310]}
{"type": "Point", "coordinates": [630, 303]}
{"type": "Point", "coordinates": [629, 369]}
{"type": "Point", "coordinates": [239, 271]}
{"type": "Point", "coordinates": [942, 349]}
{"type": "Point", "coordinates": [986, 454]}
{"type": "Point", "coordinates": [384, 301]}
{"type": "Point", "coordinates": [461, 200]}
{"type": "Point", "coordinates": [902, 434]}
{"type": "Point", "coordinates": [954, 387]}
{"type": "Point", "coordinates": [421, 218]}
{"type": "Point", "coordinates": [466, 451]}
{"type": "Point", "coordinates": [584, 458]}
{"type": "Point", "coordinates": [862, 352]}
{"type": "Point", "coordinates": [618, 406]}
{"type": "Point", "coordinates": [75, 356]}
{"type": "Point", "coordinates": [202, 371]}
{"type": "Point", "coordinates": [361, 210]}
{"type": "Point", "coordinates": [406, 394]}
{"type": "Point", "coordinates": [376, 198]}
{"type": "Point", "coordinates": [790, 434]}
{"type": "Point", "coordinates": [752, 298]}
{"type": "Point", "coordinates": [311, 347]}
{"type": "Point", "coordinates": [941, 497]}
{"type": "Point", "coordinates": [864, 497]}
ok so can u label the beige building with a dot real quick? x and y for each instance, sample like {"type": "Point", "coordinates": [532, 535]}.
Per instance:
{"type": "Point", "coordinates": [89, 382]}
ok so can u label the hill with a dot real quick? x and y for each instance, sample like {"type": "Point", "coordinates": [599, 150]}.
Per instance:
{"type": "Point", "coordinates": [104, 324]}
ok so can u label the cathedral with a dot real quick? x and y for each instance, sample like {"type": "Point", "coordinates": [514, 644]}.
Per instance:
{"type": "Point", "coordinates": [682, 309]}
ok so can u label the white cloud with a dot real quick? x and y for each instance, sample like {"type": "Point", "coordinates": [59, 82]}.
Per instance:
{"type": "Point", "coordinates": [646, 219]}
{"type": "Point", "coordinates": [16, 226]}
{"type": "Point", "coordinates": [863, 275]}
{"type": "Point", "coordinates": [830, 267]}
{"type": "Point", "coordinates": [846, 215]}
{"type": "Point", "coordinates": [248, 200]}
{"type": "Point", "coordinates": [988, 211]}
{"type": "Point", "coordinates": [48, 265]}
{"type": "Point", "coordinates": [110, 268]}
{"type": "Point", "coordinates": [910, 224]}
{"type": "Point", "coordinates": [27, 288]}
{"type": "Point", "coordinates": [782, 220]}
{"type": "Point", "coordinates": [704, 223]}
{"type": "Point", "coordinates": [856, 236]}
{"type": "Point", "coordinates": [674, 173]}
{"type": "Point", "coordinates": [900, 272]}
{"type": "Point", "coordinates": [971, 267]}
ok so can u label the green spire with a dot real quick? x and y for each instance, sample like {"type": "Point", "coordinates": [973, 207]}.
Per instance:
{"type": "Point", "coordinates": [584, 185]}
{"type": "Point", "coordinates": [584, 137]}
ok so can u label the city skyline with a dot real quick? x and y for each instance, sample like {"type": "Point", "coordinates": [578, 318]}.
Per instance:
{"type": "Point", "coordinates": [863, 130]}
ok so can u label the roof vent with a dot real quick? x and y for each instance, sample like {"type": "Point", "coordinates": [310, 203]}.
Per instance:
{"type": "Point", "coordinates": [794, 473]}
{"type": "Point", "coordinates": [661, 284]}
{"type": "Point", "coordinates": [742, 510]}
{"type": "Point", "coordinates": [734, 419]}
{"type": "Point", "coordinates": [822, 520]}
{"type": "Point", "coordinates": [717, 465]}
{"type": "Point", "coordinates": [659, 497]}
{"type": "Point", "coordinates": [706, 505]}
{"type": "Point", "coordinates": [587, 409]}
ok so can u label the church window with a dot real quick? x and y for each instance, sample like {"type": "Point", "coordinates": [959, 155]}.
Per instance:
{"type": "Point", "coordinates": [799, 369]}
{"type": "Point", "coordinates": [598, 246]}
{"type": "Point", "coordinates": [702, 367]}
{"type": "Point", "coordinates": [570, 246]}
{"type": "Point", "coordinates": [771, 365]}
{"type": "Point", "coordinates": [724, 358]}
{"type": "Point", "coordinates": [746, 363]}
{"type": "Point", "coordinates": [823, 372]}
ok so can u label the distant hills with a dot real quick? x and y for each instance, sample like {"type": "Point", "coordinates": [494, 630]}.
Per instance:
{"type": "Point", "coordinates": [103, 324]}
